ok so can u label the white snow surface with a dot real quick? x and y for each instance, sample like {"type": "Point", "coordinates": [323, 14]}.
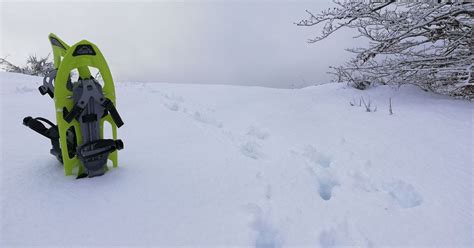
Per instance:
{"type": "Point", "coordinates": [219, 165]}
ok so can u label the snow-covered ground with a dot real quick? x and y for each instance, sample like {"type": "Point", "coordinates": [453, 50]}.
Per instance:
{"type": "Point", "coordinates": [213, 165]}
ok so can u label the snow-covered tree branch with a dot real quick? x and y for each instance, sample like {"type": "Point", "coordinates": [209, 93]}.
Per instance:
{"type": "Point", "coordinates": [35, 65]}
{"type": "Point", "coordinates": [425, 43]}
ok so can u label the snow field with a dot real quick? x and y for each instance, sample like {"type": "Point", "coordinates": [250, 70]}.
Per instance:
{"type": "Point", "coordinates": [214, 165]}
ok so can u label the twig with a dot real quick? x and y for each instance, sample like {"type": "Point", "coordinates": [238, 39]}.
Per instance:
{"type": "Point", "coordinates": [367, 107]}
{"type": "Point", "coordinates": [390, 106]}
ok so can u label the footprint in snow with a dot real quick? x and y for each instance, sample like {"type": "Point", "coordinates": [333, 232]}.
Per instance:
{"type": "Point", "coordinates": [326, 185]}
{"type": "Point", "coordinates": [328, 238]}
{"type": "Point", "coordinates": [325, 181]}
{"type": "Point", "coordinates": [404, 194]}
{"type": "Point", "coordinates": [267, 236]}
{"type": "Point", "coordinates": [268, 192]}
{"type": "Point", "coordinates": [335, 236]}
{"type": "Point", "coordinates": [172, 102]}
{"type": "Point", "coordinates": [342, 235]}
{"type": "Point", "coordinates": [175, 103]}
{"type": "Point", "coordinates": [173, 97]}
{"type": "Point", "coordinates": [203, 118]}
{"type": "Point", "coordinates": [319, 164]}
{"type": "Point", "coordinates": [317, 158]}
{"type": "Point", "coordinates": [257, 133]}
{"type": "Point", "coordinates": [172, 106]}
{"type": "Point", "coordinates": [251, 149]}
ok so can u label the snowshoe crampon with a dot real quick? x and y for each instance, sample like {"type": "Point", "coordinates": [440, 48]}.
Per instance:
{"type": "Point", "coordinates": [82, 108]}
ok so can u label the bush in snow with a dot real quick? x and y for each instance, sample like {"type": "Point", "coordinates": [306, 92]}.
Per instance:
{"type": "Point", "coordinates": [35, 65]}
{"type": "Point", "coordinates": [367, 104]}
{"type": "Point", "coordinates": [425, 43]}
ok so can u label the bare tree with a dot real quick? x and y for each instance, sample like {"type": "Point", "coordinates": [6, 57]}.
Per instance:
{"type": "Point", "coordinates": [425, 43]}
{"type": "Point", "coordinates": [9, 67]}
{"type": "Point", "coordinates": [35, 65]}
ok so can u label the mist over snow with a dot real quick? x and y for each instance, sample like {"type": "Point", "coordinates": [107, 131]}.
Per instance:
{"type": "Point", "coordinates": [223, 42]}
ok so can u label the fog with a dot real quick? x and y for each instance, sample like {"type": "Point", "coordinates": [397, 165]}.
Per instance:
{"type": "Point", "coordinates": [231, 42]}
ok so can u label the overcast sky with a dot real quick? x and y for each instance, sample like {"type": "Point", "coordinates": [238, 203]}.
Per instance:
{"type": "Point", "coordinates": [226, 42]}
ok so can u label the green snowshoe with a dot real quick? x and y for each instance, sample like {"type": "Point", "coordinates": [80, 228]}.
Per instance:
{"type": "Point", "coordinates": [82, 107]}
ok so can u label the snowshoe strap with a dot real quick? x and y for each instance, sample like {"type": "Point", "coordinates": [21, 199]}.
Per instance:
{"type": "Point", "coordinates": [96, 148]}
{"type": "Point", "coordinates": [47, 87]}
{"type": "Point", "coordinates": [51, 133]}
{"type": "Point", "coordinates": [106, 103]}
{"type": "Point", "coordinates": [38, 126]}
{"type": "Point", "coordinates": [109, 106]}
{"type": "Point", "coordinates": [94, 154]}
{"type": "Point", "coordinates": [75, 111]}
